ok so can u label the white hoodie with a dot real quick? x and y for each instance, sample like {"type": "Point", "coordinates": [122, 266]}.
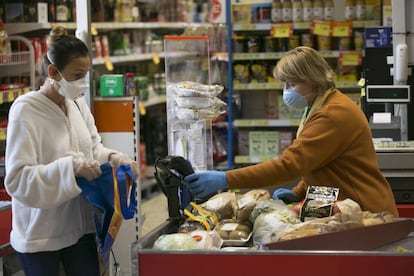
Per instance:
{"type": "Point", "coordinates": [48, 211]}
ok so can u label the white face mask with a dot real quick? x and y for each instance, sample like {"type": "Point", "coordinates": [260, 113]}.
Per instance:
{"type": "Point", "coordinates": [72, 89]}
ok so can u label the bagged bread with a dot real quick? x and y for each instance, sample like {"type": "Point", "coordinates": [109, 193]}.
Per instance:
{"type": "Point", "coordinates": [221, 204]}
{"type": "Point", "coordinates": [245, 203]}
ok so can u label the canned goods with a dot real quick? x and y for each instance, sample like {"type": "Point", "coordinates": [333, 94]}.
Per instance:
{"type": "Point", "coordinates": [253, 44]}
{"type": "Point", "coordinates": [239, 44]}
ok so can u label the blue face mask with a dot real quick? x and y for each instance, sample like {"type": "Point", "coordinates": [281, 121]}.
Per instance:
{"type": "Point", "coordinates": [294, 99]}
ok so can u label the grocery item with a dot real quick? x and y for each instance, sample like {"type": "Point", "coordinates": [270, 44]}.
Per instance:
{"type": "Point", "coordinates": [246, 202]}
{"type": "Point", "coordinates": [221, 204]}
{"type": "Point", "coordinates": [286, 11]}
{"type": "Point", "coordinates": [319, 202]}
{"type": "Point", "coordinates": [276, 12]}
{"type": "Point", "coordinates": [297, 11]}
{"type": "Point", "coordinates": [233, 232]}
{"type": "Point", "coordinates": [130, 88]}
{"type": "Point", "coordinates": [5, 46]}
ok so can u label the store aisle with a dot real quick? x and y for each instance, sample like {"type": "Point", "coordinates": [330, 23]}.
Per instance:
{"type": "Point", "coordinates": [155, 211]}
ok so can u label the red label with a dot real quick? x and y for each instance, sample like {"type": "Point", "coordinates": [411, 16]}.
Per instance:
{"type": "Point", "coordinates": [216, 9]}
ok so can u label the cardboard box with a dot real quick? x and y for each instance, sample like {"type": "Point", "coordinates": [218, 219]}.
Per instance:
{"type": "Point", "coordinates": [42, 13]}
{"type": "Point", "coordinates": [112, 85]}
{"type": "Point", "coordinates": [241, 13]}
{"type": "Point", "coordinates": [271, 147]}
{"type": "Point", "coordinates": [256, 143]}
{"type": "Point", "coordinates": [243, 142]}
{"type": "Point", "coordinates": [285, 140]}
{"type": "Point", "coordinates": [14, 12]}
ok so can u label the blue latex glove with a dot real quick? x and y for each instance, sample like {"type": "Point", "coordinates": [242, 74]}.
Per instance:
{"type": "Point", "coordinates": [203, 184]}
{"type": "Point", "coordinates": [288, 196]}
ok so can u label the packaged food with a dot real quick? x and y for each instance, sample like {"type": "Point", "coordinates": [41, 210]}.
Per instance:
{"type": "Point", "coordinates": [241, 72]}
{"type": "Point", "coordinates": [245, 203]}
{"type": "Point", "coordinates": [194, 89]}
{"type": "Point", "coordinates": [221, 204]}
{"type": "Point", "coordinates": [233, 232]}
{"type": "Point", "coordinates": [319, 202]}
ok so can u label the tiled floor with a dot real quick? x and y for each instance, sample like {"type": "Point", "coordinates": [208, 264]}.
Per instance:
{"type": "Point", "coordinates": [155, 211]}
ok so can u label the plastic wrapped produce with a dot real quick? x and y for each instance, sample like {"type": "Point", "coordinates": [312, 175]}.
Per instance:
{"type": "Point", "coordinates": [221, 204]}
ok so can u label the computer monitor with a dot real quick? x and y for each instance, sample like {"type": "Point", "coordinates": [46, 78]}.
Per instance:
{"type": "Point", "coordinates": [388, 93]}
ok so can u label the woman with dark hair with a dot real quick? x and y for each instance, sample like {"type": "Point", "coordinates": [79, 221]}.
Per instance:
{"type": "Point", "coordinates": [52, 140]}
{"type": "Point", "coordinates": [333, 145]}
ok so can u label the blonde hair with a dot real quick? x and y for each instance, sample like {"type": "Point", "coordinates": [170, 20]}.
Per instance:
{"type": "Point", "coordinates": [305, 64]}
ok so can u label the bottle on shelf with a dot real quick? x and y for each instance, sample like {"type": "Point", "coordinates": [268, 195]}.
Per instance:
{"type": "Point", "coordinates": [276, 12]}
{"type": "Point", "coordinates": [317, 9]}
{"type": "Point", "coordinates": [297, 11]}
{"type": "Point", "coordinates": [286, 11]}
{"type": "Point", "coordinates": [63, 10]}
{"type": "Point", "coordinates": [307, 10]}
{"type": "Point", "coordinates": [130, 88]}
{"type": "Point", "coordinates": [328, 10]}
{"type": "Point", "coordinates": [350, 9]}
{"type": "Point", "coordinates": [360, 10]}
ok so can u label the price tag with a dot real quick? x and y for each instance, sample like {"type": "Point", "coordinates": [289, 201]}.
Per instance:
{"type": "Point", "coordinates": [350, 58]}
{"type": "Point", "coordinates": [108, 64]}
{"type": "Point", "coordinates": [10, 96]}
{"type": "Point", "coordinates": [155, 58]}
{"type": "Point", "coordinates": [322, 27]}
{"type": "Point", "coordinates": [2, 97]}
{"type": "Point", "coordinates": [2, 134]}
{"type": "Point", "coordinates": [94, 31]}
{"type": "Point", "coordinates": [281, 30]}
{"type": "Point", "coordinates": [341, 29]}
{"type": "Point", "coordinates": [141, 108]}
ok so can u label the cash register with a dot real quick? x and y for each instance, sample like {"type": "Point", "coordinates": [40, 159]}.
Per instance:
{"type": "Point", "coordinates": [395, 157]}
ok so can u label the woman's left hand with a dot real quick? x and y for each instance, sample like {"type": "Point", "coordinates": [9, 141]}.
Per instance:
{"type": "Point", "coordinates": [118, 159]}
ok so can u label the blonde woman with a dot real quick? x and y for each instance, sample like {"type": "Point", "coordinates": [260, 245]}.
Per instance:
{"type": "Point", "coordinates": [333, 145]}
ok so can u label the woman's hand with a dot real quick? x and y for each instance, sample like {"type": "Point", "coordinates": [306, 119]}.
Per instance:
{"type": "Point", "coordinates": [118, 159]}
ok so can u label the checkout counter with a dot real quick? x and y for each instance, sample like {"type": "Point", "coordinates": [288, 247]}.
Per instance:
{"type": "Point", "coordinates": [396, 161]}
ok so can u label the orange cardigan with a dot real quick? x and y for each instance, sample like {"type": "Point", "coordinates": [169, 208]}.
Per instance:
{"type": "Point", "coordinates": [335, 149]}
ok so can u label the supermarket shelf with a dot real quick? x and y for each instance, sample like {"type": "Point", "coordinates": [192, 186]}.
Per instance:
{"type": "Point", "coordinates": [298, 25]}
{"type": "Point", "coordinates": [246, 159]}
{"type": "Point", "coordinates": [278, 85]}
{"type": "Point", "coordinates": [16, 28]}
{"type": "Point", "coordinates": [278, 55]}
{"type": "Point", "coordinates": [161, 99]}
{"type": "Point", "coordinates": [9, 95]}
{"type": "Point", "coordinates": [257, 86]}
{"type": "Point", "coordinates": [265, 123]}
{"type": "Point", "coordinates": [138, 57]}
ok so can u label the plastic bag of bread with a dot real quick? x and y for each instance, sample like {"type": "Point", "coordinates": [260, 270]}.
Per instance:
{"type": "Point", "coordinates": [369, 218]}
{"type": "Point", "coordinates": [199, 239]}
{"type": "Point", "coordinates": [267, 206]}
{"type": "Point", "coordinates": [349, 216]}
{"type": "Point", "coordinates": [221, 204]}
{"type": "Point", "coordinates": [246, 202]}
{"type": "Point", "coordinates": [270, 218]}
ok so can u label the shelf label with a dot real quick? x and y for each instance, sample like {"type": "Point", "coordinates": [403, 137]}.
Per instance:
{"type": "Point", "coordinates": [10, 96]}
{"type": "Point", "coordinates": [142, 110]}
{"type": "Point", "coordinates": [94, 31]}
{"type": "Point", "coordinates": [320, 27]}
{"type": "Point", "coordinates": [281, 30]}
{"type": "Point", "coordinates": [341, 29]}
{"type": "Point", "coordinates": [108, 63]}
{"type": "Point", "coordinates": [155, 58]}
{"type": "Point", "coordinates": [350, 58]}
{"type": "Point", "coordinates": [2, 134]}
